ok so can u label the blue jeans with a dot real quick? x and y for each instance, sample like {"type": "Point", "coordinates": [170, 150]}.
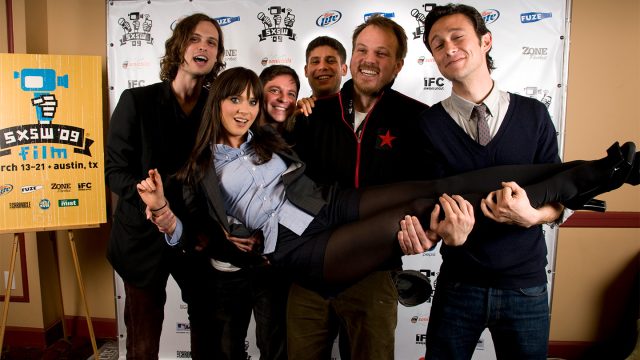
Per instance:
{"type": "Point", "coordinates": [518, 320]}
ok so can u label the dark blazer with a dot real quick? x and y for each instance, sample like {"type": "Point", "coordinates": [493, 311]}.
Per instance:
{"type": "Point", "coordinates": [203, 203]}
{"type": "Point", "coordinates": [147, 130]}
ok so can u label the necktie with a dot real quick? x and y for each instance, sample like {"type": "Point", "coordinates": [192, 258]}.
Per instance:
{"type": "Point", "coordinates": [480, 114]}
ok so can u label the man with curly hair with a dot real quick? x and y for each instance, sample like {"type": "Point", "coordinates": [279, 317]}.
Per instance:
{"type": "Point", "coordinates": [155, 127]}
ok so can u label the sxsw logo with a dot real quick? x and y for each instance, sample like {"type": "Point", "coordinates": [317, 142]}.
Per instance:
{"type": "Point", "coordinates": [67, 202]}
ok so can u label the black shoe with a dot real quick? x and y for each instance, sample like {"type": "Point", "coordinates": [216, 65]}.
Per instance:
{"type": "Point", "coordinates": [634, 174]}
{"type": "Point", "coordinates": [594, 205]}
{"type": "Point", "coordinates": [620, 160]}
{"type": "Point", "coordinates": [413, 287]}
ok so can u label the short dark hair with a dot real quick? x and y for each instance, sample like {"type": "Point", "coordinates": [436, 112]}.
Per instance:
{"type": "Point", "coordinates": [387, 24]}
{"type": "Point", "coordinates": [273, 71]}
{"type": "Point", "coordinates": [175, 46]}
{"type": "Point", "coordinates": [470, 12]}
{"type": "Point", "coordinates": [327, 41]}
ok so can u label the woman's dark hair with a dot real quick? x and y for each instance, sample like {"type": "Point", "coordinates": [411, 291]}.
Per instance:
{"type": "Point", "coordinates": [471, 13]}
{"type": "Point", "coordinates": [176, 45]}
{"type": "Point", "coordinates": [265, 141]}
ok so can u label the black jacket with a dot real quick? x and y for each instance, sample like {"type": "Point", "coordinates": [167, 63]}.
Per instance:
{"type": "Point", "coordinates": [147, 130]}
{"type": "Point", "coordinates": [387, 149]}
{"type": "Point", "coordinates": [202, 210]}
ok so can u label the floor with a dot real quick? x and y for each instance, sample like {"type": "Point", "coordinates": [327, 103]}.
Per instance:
{"type": "Point", "coordinates": [78, 348]}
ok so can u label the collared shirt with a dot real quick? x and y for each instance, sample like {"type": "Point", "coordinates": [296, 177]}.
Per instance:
{"type": "Point", "coordinates": [254, 194]}
{"type": "Point", "coordinates": [497, 103]}
{"type": "Point", "coordinates": [459, 109]}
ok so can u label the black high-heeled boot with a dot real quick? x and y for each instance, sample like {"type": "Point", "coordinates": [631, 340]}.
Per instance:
{"type": "Point", "coordinates": [619, 162]}
{"type": "Point", "coordinates": [634, 174]}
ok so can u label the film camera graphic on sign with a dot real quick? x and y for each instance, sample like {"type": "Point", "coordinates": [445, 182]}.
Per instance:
{"type": "Point", "coordinates": [42, 83]}
{"type": "Point", "coordinates": [273, 24]}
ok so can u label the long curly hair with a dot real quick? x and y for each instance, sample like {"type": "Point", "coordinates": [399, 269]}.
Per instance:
{"type": "Point", "coordinates": [176, 45]}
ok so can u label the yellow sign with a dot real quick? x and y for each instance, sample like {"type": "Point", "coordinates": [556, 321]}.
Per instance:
{"type": "Point", "coordinates": [51, 143]}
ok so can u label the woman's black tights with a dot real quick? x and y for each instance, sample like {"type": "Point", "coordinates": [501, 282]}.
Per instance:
{"type": "Point", "coordinates": [355, 249]}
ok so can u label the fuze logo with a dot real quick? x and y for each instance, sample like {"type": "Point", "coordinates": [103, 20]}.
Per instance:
{"type": "Point", "coordinates": [490, 16]}
{"type": "Point", "coordinates": [329, 18]}
{"type": "Point", "coordinates": [533, 17]}
{"type": "Point", "coordinates": [30, 188]}
{"type": "Point", "coordinates": [4, 189]}
{"type": "Point", "coordinates": [67, 202]}
{"type": "Point", "coordinates": [388, 15]}
{"type": "Point", "coordinates": [226, 20]}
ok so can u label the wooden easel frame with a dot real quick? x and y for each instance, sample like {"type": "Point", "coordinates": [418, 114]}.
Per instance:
{"type": "Point", "coordinates": [76, 263]}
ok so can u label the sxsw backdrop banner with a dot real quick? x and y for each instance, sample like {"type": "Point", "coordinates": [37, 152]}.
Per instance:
{"type": "Point", "coordinates": [51, 147]}
{"type": "Point", "coordinates": [530, 51]}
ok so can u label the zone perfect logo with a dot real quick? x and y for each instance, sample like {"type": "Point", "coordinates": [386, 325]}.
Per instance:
{"type": "Point", "coordinates": [226, 20]}
{"type": "Point", "coordinates": [30, 188]}
{"type": "Point", "coordinates": [534, 16]}
{"type": "Point", "coordinates": [62, 187]}
{"type": "Point", "coordinates": [490, 16]}
{"type": "Point", "coordinates": [328, 18]}
{"type": "Point", "coordinates": [5, 189]}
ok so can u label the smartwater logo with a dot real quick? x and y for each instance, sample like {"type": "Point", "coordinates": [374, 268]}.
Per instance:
{"type": "Point", "coordinates": [534, 17]}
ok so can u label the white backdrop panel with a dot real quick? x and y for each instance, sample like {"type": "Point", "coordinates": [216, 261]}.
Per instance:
{"type": "Point", "coordinates": [530, 47]}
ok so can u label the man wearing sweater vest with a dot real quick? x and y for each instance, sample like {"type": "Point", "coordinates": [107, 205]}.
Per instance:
{"type": "Point", "coordinates": [497, 279]}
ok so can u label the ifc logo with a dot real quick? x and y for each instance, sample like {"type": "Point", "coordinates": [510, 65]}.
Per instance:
{"type": "Point", "coordinates": [45, 204]}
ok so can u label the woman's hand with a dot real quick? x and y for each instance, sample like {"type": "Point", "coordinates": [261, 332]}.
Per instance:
{"type": "Point", "coordinates": [151, 191]}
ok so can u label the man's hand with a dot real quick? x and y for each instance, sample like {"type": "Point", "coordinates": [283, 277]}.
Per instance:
{"type": "Point", "coordinates": [510, 205]}
{"type": "Point", "coordinates": [246, 244]}
{"type": "Point", "coordinates": [413, 239]}
{"type": "Point", "coordinates": [305, 106]}
{"type": "Point", "coordinates": [458, 220]}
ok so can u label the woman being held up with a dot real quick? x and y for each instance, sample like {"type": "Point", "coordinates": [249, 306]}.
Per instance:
{"type": "Point", "coordinates": [240, 170]}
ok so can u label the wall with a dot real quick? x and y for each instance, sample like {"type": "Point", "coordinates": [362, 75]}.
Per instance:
{"type": "Point", "coordinates": [603, 74]}
{"type": "Point", "coordinates": [601, 108]}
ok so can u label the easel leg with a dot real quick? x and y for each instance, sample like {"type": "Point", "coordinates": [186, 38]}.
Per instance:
{"type": "Point", "coordinates": [7, 293]}
{"type": "Point", "coordinates": [76, 263]}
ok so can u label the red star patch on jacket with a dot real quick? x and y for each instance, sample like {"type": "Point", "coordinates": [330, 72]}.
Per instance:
{"type": "Point", "coordinates": [385, 140]}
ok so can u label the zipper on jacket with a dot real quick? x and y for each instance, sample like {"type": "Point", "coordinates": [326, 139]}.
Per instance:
{"type": "Point", "coordinates": [358, 137]}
